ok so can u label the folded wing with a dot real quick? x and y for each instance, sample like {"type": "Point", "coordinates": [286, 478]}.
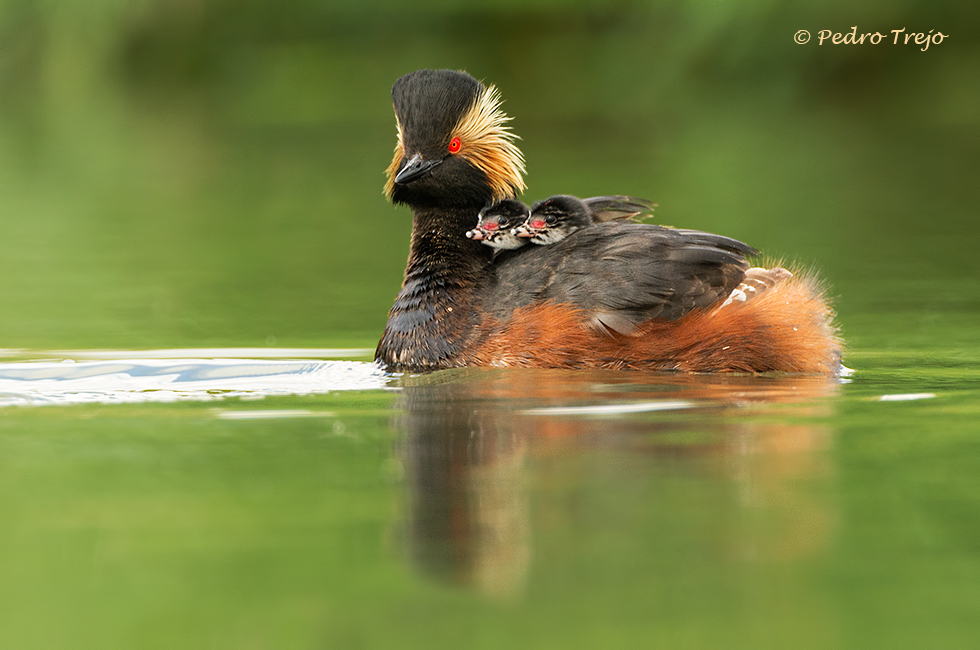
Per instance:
{"type": "Point", "coordinates": [623, 273]}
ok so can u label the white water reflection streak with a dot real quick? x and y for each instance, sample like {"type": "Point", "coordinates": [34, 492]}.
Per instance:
{"type": "Point", "coordinates": [133, 380]}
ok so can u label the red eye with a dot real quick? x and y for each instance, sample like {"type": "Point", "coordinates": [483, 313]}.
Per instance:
{"type": "Point", "coordinates": [454, 145]}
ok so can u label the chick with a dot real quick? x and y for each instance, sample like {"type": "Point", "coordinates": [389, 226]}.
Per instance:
{"type": "Point", "coordinates": [555, 218]}
{"type": "Point", "coordinates": [497, 223]}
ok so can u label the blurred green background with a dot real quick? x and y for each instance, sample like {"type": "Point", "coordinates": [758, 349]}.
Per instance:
{"type": "Point", "coordinates": [208, 172]}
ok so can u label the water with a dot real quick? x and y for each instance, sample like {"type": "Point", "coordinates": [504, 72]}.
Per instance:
{"type": "Point", "coordinates": [319, 503]}
{"type": "Point", "coordinates": [174, 375]}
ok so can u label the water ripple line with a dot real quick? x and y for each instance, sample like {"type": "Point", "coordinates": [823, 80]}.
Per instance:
{"type": "Point", "coordinates": [170, 380]}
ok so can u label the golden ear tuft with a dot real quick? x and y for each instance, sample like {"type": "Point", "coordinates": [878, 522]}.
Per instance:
{"type": "Point", "coordinates": [488, 144]}
{"type": "Point", "coordinates": [395, 162]}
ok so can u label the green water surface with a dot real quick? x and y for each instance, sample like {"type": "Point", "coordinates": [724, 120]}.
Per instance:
{"type": "Point", "coordinates": [774, 512]}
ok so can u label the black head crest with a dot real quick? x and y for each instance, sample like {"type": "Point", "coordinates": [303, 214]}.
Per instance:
{"type": "Point", "coordinates": [451, 124]}
{"type": "Point", "coordinates": [429, 104]}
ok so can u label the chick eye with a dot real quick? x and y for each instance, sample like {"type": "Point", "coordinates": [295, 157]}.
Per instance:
{"type": "Point", "coordinates": [503, 222]}
{"type": "Point", "coordinates": [552, 220]}
{"type": "Point", "coordinates": [454, 145]}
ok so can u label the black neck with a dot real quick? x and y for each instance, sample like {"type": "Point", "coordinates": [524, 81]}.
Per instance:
{"type": "Point", "coordinates": [437, 310]}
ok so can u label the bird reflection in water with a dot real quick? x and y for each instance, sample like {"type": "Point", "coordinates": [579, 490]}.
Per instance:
{"type": "Point", "coordinates": [467, 439]}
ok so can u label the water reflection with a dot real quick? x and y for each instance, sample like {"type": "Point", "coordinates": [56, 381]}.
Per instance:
{"type": "Point", "coordinates": [477, 444]}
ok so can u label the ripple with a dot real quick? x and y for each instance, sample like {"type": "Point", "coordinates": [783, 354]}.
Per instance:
{"type": "Point", "coordinates": [612, 409]}
{"type": "Point", "coordinates": [164, 379]}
